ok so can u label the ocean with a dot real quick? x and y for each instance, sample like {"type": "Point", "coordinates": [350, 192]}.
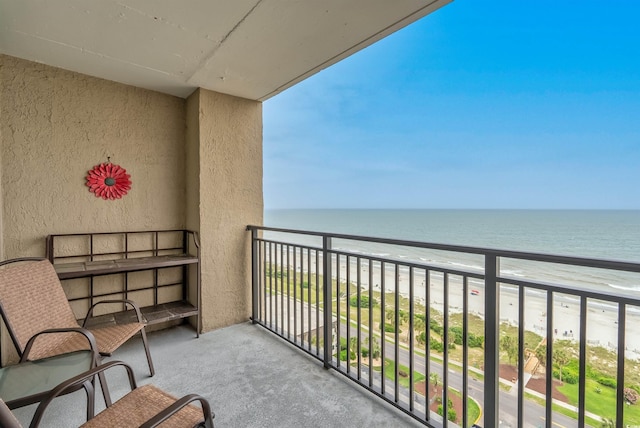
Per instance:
{"type": "Point", "coordinates": [602, 234]}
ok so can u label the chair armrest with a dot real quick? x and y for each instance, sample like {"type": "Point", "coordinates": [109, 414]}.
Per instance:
{"type": "Point", "coordinates": [7, 419]}
{"type": "Point", "coordinates": [82, 380]}
{"type": "Point", "coordinates": [89, 388]}
{"type": "Point", "coordinates": [133, 304]}
{"type": "Point", "coordinates": [177, 406]}
{"type": "Point", "coordinates": [22, 259]}
{"type": "Point", "coordinates": [83, 331]}
{"type": "Point", "coordinates": [88, 375]}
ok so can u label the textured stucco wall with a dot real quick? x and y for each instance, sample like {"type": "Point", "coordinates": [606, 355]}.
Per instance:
{"type": "Point", "coordinates": [194, 163]}
{"type": "Point", "coordinates": [230, 163]}
{"type": "Point", "coordinates": [2, 256]}
{"type": "Point", "coordinates": [192, 177]}
{"type": "Point", "coordinates": [56, 125]}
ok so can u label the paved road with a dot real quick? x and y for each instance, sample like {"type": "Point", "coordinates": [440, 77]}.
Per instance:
{"type": "Point", "coordinates": [534, 413]}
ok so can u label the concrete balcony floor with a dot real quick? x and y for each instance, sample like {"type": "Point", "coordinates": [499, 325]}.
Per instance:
{"type": "Point", "coordinates": [250, 377]}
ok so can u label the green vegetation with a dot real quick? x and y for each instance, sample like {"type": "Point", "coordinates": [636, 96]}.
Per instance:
{"type": "Point", "coordinates": [375, 347]}
{"type": "Point", "coordinates": [600, 386]}
{"type": "Point", "coordinates": [601, 400]}
{"type": "Point", "coordinates": [364, 301]}
{"type": "Point", "coordinates": [473, 341]}
{"type": "Point", "coordinates": [389, 328]}
{"type": "Point", "coordinates": [473, 409]}
{"type": "Point", "coordinates": [451, 413]}
{"type": "Point", "coordinates": [563, 410]}
{"type": "Point", "coordinates": [403, 371]}
{"type": "Point", "coordinates": [601, 363]}
{"type": "Point", "coordinates": [608, 423]}
{"type": "Point", "coordinates": [601, 370]}
{"type": "Point", "coordinates": [349, 349]}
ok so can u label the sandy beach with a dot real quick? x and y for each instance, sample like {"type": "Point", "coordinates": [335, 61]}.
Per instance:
{"type": "Point", "coordinates": [602, 317]}
{"type": "Point", "coordinates": [602, 324]}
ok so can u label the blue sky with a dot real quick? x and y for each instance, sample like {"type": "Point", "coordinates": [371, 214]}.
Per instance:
{"type": "Point", "coordinates": [505, 104]}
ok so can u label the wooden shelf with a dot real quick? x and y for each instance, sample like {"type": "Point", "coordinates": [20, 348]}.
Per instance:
{"type": "Point", "coordinates": [110, 267]}
{"type": "Point", "coordinates": [151, 314]}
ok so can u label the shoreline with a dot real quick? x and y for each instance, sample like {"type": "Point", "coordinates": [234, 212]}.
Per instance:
{"type": "Point", "coordinates": [602, 316]}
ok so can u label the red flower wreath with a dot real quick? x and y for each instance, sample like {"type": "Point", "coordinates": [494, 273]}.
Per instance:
{"type": "Point", "coordinates": [108, 181]}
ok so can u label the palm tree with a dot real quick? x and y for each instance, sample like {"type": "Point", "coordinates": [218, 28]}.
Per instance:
{"type": "Point", "coordinates": [419, 325]}
{"type": "Point", "coordinates": [608, 423]}
{"type": "Point", "coordinates": [434, 379]}
{"type": "Point", "coordinates": [451, 340]}
{"type": "Point", "coordinates": [390, 315]}
{"type": "Point", "coordinates": [353, 347]}
{"type": "Point", "coordinates": [561, 359]}
{"type": "Point", "coordinates": [404, 317]}
{"type": "Point", "coordinates": [510, 346]}
{"type": "Point", "coordinates": [541, 354]}
{"type": "Point", "coordinates": [374, 347]}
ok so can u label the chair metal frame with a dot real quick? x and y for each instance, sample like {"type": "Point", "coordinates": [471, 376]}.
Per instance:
{"type": "Point", "coordinates": [23, 352]}
{"type": "Point", "coordinates": [8, 420]}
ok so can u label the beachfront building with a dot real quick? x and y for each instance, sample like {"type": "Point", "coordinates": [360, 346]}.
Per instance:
{"type": "Point", "coordinates": [173, 93]}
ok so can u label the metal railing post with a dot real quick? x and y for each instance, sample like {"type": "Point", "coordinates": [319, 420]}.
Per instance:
{"type": "Point", "coordinates": [492, 341]}
{"type": "Point", "coordinates": [254, 275]}
{"type": "Point", "coordinates": [326, 289]}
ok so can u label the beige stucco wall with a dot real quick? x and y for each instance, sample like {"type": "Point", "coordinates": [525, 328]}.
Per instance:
{"type": "Point", "coordinates": [194, 163]}
{"type": "Point", "coordinates": [230, 198]}
{"type": "Point", "coordinates": [2, 256]}
{"type": "Point", "coordinates": [56, 125]}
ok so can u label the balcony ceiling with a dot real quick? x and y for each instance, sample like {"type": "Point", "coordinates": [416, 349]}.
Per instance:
{"type": "Point", "coordinates": [248, 48]}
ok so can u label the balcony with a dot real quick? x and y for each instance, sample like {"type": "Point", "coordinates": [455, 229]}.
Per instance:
{"type": "Point", "coordinates": [251, 379]}
{"type": "Point", "coordinates": [393, 305]}
{"type": "Point", "coordinates": [312, 288]}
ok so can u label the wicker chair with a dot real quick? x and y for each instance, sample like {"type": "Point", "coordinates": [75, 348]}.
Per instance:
{"type": "Point", "coordinates": [145, 407]}
{"type": "Point", "coordinates": [32, 300]}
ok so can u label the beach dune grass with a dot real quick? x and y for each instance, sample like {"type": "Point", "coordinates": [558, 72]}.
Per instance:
{"type": "Point", "coordinates": [305, 289]}
{"type": "Point", "coordinates": [599, 358]}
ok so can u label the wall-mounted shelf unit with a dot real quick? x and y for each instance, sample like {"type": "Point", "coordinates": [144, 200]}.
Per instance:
{"type": "Point", "coordinates": [159, 269]}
